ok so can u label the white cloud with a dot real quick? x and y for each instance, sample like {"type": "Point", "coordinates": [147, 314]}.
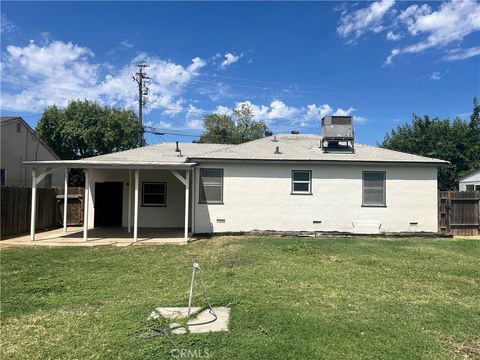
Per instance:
{"type": "Point", "coordinates": [35, 76]}
{"type": "Point", "coordinates": [366, 19]}
{"type": "Point", "coordinates": [315, 112]}
{"type": "Point", "coordinates": [6, 25]}
{"type": "Point", "coordinates": [194, 118]}
{"type": "Point", "coordinates": [435, 76]}
{"type": "Point", "coordinates": [393, 37]}
{"type": "Point", "coordinates": [462, 54]}
{"type": "Point", "coordinates": [275, 111]}
{"type": "Point", "coordinates": [230, 59]}
{"type": "Point", "coordinates": [390, 57]}
{"type": "Point", "coordinates": [341, 112]}
{"type": "Point", "coordinates": [222, 110]}
{"type": "Point", "coordinates": [452, 22]}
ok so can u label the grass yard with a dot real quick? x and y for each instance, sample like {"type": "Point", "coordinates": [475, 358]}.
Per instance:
{"type": "Point", "coordinates": [290, 298]}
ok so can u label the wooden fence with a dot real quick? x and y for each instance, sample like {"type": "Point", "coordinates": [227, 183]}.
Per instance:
{"type": "Point", "coordinates": [459, 212]}
{"type": "Point", "coordinates": [16, 209]}
{"type": "Point", "coordinates": [74, 205]}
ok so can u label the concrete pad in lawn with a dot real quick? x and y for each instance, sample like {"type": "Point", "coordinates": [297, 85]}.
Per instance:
{"type": "Point", "coordinates": [220, 324]}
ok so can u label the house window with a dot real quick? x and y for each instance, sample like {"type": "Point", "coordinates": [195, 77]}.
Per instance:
{"type": "Point", "coordinates": [211, 186]}
{"type": "Point", "coordinates": [154, 194]}
{"type": "Point", "coordinates": [374, 192]}
{"type": "Point", "coordinates": [301, 182]}
{"type": "Point", "coordinates": [3, 177]}
{"type": "Point", "coordinates": [470, 187]}
{"type": "Point", "coordinates": [477, 187]}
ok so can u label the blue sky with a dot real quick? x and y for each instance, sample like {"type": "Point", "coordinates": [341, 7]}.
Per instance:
{"type": "Point", "coordinates": [294, 62]}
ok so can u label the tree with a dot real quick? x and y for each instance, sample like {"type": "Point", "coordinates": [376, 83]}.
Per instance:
{"type": "Point", "coordinates": [223, 129]}
{"type": "Point", "coordinates": [84, 129]}
{"type": "Point", "coordinates": [457, 142]}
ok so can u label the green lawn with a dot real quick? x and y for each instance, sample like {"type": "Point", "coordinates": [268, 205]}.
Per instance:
{"type": "Point", "coordinates": [290, 298]}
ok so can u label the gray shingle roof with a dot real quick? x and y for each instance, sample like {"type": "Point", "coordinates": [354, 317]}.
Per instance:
{"type": "Point", "coordinates": [159, 153]}
{"type": "Point", "coordinates": [292, 148]}
{"type": "Point", "coordinates": [306, 147]}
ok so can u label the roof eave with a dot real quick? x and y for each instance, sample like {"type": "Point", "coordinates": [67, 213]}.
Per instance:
{"type": "Point", "coordinates": [79, 164]}
{"type": "Point", "coordinates": [436, 163]}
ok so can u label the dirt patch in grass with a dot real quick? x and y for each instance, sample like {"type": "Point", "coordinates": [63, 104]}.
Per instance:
{"type": "Point", "coordinates": [468, 349]}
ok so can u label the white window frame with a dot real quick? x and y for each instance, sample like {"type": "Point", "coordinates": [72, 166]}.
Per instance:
{"type": "Point", "coordinates": [384, 188]}
{"type": "Point", "coordinates": [144, 204]}
{"type": "Point", "coordinates": [309, 182]}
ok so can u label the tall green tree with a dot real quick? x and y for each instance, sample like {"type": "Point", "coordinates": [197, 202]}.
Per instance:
{"type": "Point", "coordinates": [456, 141]}
{"type": "Point", "coordinates": [85, 128]}
{"type": "Point", "coordinates": [225, 129]}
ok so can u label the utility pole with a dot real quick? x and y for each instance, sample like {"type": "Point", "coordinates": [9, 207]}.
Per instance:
{"type": "Point", "coordinates": [141, 78]}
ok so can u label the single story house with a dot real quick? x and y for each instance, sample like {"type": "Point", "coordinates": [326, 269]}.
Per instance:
{"type": "Point", "coordinates": [20, 143]}
{"type": "Point", "coordinates": [281, 183]}
{"type": "Point", "coordinates": [470, 182]}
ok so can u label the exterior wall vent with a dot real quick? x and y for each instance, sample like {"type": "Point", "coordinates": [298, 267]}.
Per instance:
{"type": "Point", "coordinates": [220, 221]}
{"type": "Point", "coordinates": [338, 134]}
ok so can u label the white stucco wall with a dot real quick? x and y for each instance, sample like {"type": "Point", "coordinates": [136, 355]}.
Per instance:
{"type": "Point", "coordinates": [171, 216]}
{"type": "Point", "coordinates": [17, 147]}
{"type": "Point", "coordinates": [257, 197]}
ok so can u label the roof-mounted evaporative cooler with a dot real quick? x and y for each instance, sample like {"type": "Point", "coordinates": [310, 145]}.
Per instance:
{"type": "Point", "coordinates": [338, 134]}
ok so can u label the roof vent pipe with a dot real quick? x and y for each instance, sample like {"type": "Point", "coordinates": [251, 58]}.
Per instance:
{"type": "Point", "coordinates": [177, 149]}
{"type": "Point", "coordinates": [275, 138]}
{"type": "Point", "coordinates": [277, 150]}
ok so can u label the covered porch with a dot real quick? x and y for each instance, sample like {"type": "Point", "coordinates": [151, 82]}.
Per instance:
{"type": "Point", "coordinates": [124, 203]}
{"type": "Point", "coordinates": [117, 236]}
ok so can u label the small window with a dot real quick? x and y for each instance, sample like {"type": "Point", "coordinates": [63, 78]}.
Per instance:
{"type": "Point", "coordinates": [477, 187]}
{"type": "Point", "coordinates": [3, 177]}
{"type": "Point", "coordinates": [19, 127]}
{"type": "Point", "coordinates": [470, 188]}
{"type": "Point", "coordinates": [154, 194]}
{"type": "Point", "coordinates": [374, 193]}
{"type": "Point", "coordinates": [301, 182]}
{"type": "Point", "coordinates": [211, 186]}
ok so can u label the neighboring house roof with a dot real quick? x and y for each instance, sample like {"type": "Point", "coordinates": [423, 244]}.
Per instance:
{"type": "Point", "coordinates": [470, 174]}
{"type": "Point", "coordinates": [5, 120]}
{"type": "Point", "coordinates": [292, 148]}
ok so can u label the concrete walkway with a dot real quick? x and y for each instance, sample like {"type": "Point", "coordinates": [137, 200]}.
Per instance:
{"type": "Point", "coordinates": [98, 236]}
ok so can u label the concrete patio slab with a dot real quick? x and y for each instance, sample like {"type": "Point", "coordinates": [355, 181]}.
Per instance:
{"type": "Point", "coordinates": [116, 236]}
{"type": "Point", "coordinates": [177, 313]}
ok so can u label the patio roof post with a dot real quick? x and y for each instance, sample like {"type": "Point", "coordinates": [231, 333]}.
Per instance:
{"type": "Point", "coordinates": [34, 205]}
{"type": "Point", "coordinates": [135, 213]}
{"type": "Point", "coordinates": [85, 207]}
{"type": "Point", "coordinates": [129, 200]}
{"type": "Point", "coordinates": [65, 202]}
{"type": "Point", "coordinates": [187, 201]}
